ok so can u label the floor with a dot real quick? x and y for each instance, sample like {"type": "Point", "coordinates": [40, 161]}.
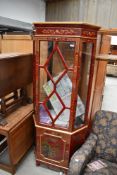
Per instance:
{"type": "Point", "coordinates": [110, 94]}
{"type": "Point", "coordinates": [27, 165]}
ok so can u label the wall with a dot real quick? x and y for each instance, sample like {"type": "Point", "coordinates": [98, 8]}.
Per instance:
{"type": "Point", "coordinates": [100, 12]}
{"type": "Point", "coordinates": [62, 10]}
{"type": "Point", "coordinates": [23, 10]}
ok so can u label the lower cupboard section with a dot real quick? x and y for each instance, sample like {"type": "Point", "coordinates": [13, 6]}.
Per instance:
{"type": "Point", "coordinates": [55, 147]}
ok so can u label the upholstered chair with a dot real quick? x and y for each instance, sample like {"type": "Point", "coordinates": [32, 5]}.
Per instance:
{"type": "Point", "coordinates": [100, 145]}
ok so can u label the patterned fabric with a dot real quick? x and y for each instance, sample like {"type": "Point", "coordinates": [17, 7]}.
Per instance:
{"type": "Point", "coordinates": [82, 155]}
{"type": "Point", "coordinates": [111, 169]}
{"type": "Point", "coordinates": [102, 141]}
{"type": "Point", "coordinates": [105, 127]}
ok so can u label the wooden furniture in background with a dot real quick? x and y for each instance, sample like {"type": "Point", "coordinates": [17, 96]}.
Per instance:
{"type": "Point", "coordinates": [21, 43]}
{"type": "Point", "coordinates": [111, 69]}
{"type": "Point", "coordinates": [102, 60]}
{"type": "Point", "coordinates": [16, 137]}
{"type": "Point", "coordinates": [16, 122]}
{"type": "Point", "coordinates": [64, 55]}
{"type": "Point", "coordinates": [16, 43]}
{"type": "Point", "coordinates": [15, 71]}
{"type": "Point", "coordinates": [100, 73]}
{"type": "Point", "coordinates": [113, 49]}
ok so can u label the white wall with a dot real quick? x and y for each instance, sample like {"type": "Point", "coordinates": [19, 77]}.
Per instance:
{"type": "Point", "coordinates": [99, 12]}
{"type": "Point", "coordinates": [23, 10]}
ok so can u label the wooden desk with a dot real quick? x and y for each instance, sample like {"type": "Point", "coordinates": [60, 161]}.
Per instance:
{"type": "Point", "coordinates": [16, 136]}
{"type": "Point", "coordinates": [19, 137]}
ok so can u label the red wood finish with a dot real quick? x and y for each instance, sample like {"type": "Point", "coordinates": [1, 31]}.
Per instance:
{"type": "Point", "coordinates": [56, 143]}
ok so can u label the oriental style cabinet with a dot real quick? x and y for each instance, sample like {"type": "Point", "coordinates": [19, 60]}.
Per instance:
{"type": "Point", "coordinates": [64, 55]}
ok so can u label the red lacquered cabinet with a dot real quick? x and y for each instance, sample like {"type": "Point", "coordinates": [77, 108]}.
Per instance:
{"type": "Point", "coordinates": [64, 55]}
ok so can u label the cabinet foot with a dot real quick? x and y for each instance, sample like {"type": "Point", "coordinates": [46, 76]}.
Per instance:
{"type": "Point", "coordinates": [37, 163]}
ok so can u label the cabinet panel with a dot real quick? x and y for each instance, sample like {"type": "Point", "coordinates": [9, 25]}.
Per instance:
{"type": "Point", "coordinates": [21, 138]}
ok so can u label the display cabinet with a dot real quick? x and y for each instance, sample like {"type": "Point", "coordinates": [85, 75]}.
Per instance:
{"type": "Point", "coordinates": [64, 55]}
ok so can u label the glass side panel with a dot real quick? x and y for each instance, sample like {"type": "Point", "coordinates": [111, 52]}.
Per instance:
{"type": "Point", "coordinates": [83, 84]}
{"type": "Point", "coordinates": [55, 82]}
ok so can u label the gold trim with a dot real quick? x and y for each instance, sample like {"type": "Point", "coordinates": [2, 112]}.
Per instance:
{"type": "Point", "coordinates": [67, 22]}
{"type": "Point", "coordinates": [64, 145]}
{"type": "Point", "coordinates": [73, 36]}
{"type": "Point", "coordinates": [52, 164]}
{"type": "Point", "coordinates": [61, 131]}
{"type": "Point", "coordinates": [51, 159]}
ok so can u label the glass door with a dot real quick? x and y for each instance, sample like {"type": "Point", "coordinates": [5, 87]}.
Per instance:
{"type": "Point", "coordinates": [56, 62]}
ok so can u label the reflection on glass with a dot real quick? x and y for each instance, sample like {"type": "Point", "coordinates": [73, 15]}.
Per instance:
{"type": "Point", "coordinates": [83, 83]}
{"type": "Point", "coordinates": [55, 84]}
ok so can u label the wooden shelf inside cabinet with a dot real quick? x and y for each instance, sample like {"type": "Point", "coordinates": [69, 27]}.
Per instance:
{"type": "Point", "coordinates": [111, 61]}
{"type": "Point", "coordinates": [106, 57]}
{"type": "Point", "coordinates": [63, 81]}
{"type": "Point", "coordinates": [111, 31]}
